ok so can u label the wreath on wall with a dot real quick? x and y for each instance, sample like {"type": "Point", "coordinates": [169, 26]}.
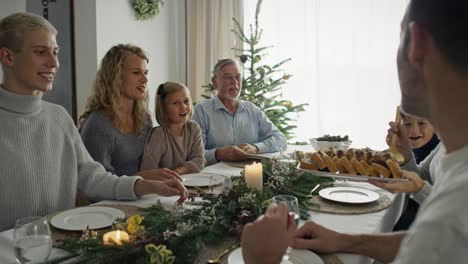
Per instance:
{"type": "Point", "coordinates": [146, 9]}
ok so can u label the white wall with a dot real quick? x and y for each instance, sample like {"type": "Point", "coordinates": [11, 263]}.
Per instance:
{"type": "Point", "coordinates": [163, 38]}
{"type": "Point", "coordinates": [7, 7]}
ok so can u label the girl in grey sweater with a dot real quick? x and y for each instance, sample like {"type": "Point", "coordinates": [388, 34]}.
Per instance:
{"type": "Point", "coordinates": [177, 143]}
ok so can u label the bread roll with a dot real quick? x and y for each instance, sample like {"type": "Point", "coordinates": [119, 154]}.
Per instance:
{"type": "Point", "coordinates": [370, 171]}
{"type": "Point", "coordinates": [394, 168]}
{"type": "Point", "coordinates": [338, 165]}
{"type": "Point", "coordinates": [329, 162]}
{"type": "Point", "coordinates": [381, 170]}
{"type": "Point", "coordinates": [344, 161]}
{"type": "Point", "coordinates": [308, 165]}
{"type": "Point", "coordinates": [340, 153]}
{"type": "Point", "coordinates": [358, 166]}
{"type": "Point", "coordinates": [350, 154]}
{"type": "Point", "coordinates": [360, 154]}
{"type": "Point", "coordinates": [318, 160]}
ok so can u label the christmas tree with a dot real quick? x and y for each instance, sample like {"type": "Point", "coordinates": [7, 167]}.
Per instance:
{"type": "Point", "coordinates": [262, 83]}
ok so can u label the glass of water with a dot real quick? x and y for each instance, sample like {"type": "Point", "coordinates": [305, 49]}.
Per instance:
{"type": "Point", "coordinates": [33, 241]}
{"type": "Point", "coordinates": [227, 184]}
{"type": "Point", "coordinates": [291, 202]}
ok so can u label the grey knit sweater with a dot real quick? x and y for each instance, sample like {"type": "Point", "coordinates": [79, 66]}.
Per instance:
{"type": "Point", "coordinates": [43, 162]}
{"type": "Point", "coordinates": [426, 170]}
{"type": "Point", "coordinates": [119, 153]}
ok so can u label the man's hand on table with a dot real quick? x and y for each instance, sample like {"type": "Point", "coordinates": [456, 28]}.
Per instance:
{"type": "Point", "coordinates": [249, 148]}
{"type": "Point", "coordinates": [170, 187]}
{"type": "Point", "coordinates": [266, 240]}
{"type": "Point", "coordinates": [231, 153]}
{"type": "Point", "coordinates": [318, 238]}
{"type": "Point", "coordinates": [414, 184]}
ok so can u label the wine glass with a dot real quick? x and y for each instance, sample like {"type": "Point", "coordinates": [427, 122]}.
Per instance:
{"type": "Point", "coordinates": [227, 184]}
{"type": "Point", "coordinates": [291, 202]}
{"type": "Point", "coordinates": [32, 238]}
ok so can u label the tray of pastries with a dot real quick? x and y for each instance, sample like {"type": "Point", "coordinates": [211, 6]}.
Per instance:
{"type": "Point", "coordinates": [352, 164]}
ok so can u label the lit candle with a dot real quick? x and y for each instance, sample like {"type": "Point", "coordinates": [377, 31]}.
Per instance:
{"type": "Point", "coordinates": [115, 237]}
{"type": "Point", "coordinates": [254, 176]}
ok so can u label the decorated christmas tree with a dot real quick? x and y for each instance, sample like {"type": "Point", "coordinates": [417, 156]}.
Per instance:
{"type": "Point", "coordinates": [262, 83]}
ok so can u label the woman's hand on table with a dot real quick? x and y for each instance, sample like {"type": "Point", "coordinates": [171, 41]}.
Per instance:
{"type": "Point", "coordinates": [159, 174]}
{"type": "Point", "coordinates": [170, 187]}
{"type": "Point", "coordinates": [402, 142]}
{"type": "Point", "coordinates": [318, 238]}
{"type": "Point", "coordinates": [413, 185]}
{"type": "Point", "coordinates": [266, 239]}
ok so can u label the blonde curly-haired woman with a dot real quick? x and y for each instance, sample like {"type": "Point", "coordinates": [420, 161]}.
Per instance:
{"type": "Point", "coordinates": [116, 121]}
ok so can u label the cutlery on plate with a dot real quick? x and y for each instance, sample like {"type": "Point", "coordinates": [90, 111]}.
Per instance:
{"type": "Point", "coordinates": [313, 190]}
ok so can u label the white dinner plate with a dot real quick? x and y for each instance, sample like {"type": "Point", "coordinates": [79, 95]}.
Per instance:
{"type": "Point", "coordinates": [348, 176]}
{"type": "Point", "coordinates": [202, 179]}
{"type": "Point", "coordinates": [352, 195]}
{"type": "Point", "coordinates": [262, 156]}
{"type": "Point", "coordinates": [292, 256]}
{"type": "Point", "coordinates": [240, 164]}
{"type": "Point", "coordinates": [93, 217]}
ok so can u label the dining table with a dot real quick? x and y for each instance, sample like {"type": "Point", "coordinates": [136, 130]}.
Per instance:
{"type": "Point", "coordinates": [366, 223]}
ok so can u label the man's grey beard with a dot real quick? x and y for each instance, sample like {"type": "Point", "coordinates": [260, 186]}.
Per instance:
{"type": "Point", "coordinates": [415, 107]}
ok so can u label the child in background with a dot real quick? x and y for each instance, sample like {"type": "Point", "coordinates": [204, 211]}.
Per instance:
{"type": "Point", "coordinates": [422, 140]}
{"type": "Point", "coordinates": [177, 142]}
{"type": "Point", "coordinates": [421, 136]}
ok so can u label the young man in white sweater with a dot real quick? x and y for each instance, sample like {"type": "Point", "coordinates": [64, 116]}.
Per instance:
{"type": "Point", "coordinates": [43, 161]}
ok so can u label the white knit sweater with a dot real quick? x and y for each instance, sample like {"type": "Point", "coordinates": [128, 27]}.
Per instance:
{"type": "Point", "coordinates": [43, 162]}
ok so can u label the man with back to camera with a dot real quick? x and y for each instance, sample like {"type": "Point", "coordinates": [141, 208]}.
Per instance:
{"type": "Point", "coordinates": [433, 71]}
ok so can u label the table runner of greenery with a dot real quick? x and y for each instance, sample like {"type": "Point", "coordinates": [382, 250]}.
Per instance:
{"type": "Point", "coordinates": [178, 235]}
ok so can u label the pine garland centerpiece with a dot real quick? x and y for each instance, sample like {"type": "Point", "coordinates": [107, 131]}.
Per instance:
{"type": "Point", "coordinates": [179, 235]}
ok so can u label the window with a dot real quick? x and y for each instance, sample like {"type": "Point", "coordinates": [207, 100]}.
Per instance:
{"type": "Point", "coordinates": [343, 63]}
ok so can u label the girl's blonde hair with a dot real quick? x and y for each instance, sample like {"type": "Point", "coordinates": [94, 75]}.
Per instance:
{"type": "Point", "coordinates": [162, 93]}
{"type": "Point", "coordinates": [107, 88]}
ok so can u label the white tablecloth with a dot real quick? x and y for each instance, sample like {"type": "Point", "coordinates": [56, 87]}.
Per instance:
{"type": "Point", "coordinates": [381, 221]}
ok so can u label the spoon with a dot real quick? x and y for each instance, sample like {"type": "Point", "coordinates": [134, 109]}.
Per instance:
{"type": "Point", "coordinates": [393, 147]}
{"type": "Point", "coordinates": [218, 259]}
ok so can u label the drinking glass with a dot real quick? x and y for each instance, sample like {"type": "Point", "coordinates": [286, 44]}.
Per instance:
{"type": "Point", "coordinates": [32, 238]}
{"type": "Point", "coordinates": [291, 202]}
{"type": "Point", "coordinates": [227, 184]}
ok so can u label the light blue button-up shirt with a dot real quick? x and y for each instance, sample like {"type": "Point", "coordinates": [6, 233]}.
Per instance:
{"type": "Point", "coordinates": [249, 124]}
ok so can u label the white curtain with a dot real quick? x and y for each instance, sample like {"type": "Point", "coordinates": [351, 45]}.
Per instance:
{"type": "Point", "coordinates": [209, 38]}
{"type": "Point", "coordinates": [343, 63]}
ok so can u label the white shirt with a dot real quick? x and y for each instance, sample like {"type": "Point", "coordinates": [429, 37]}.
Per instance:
{"type": "Point", "coordinates": [440, 232]}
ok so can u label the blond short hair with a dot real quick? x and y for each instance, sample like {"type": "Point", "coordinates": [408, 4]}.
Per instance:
{"type": "Point", "coordinates": [15, 26]}
{"type": "Point", "coordinates": [107, 88]}
{"type": "Point", "coordinates": [163, 91]}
